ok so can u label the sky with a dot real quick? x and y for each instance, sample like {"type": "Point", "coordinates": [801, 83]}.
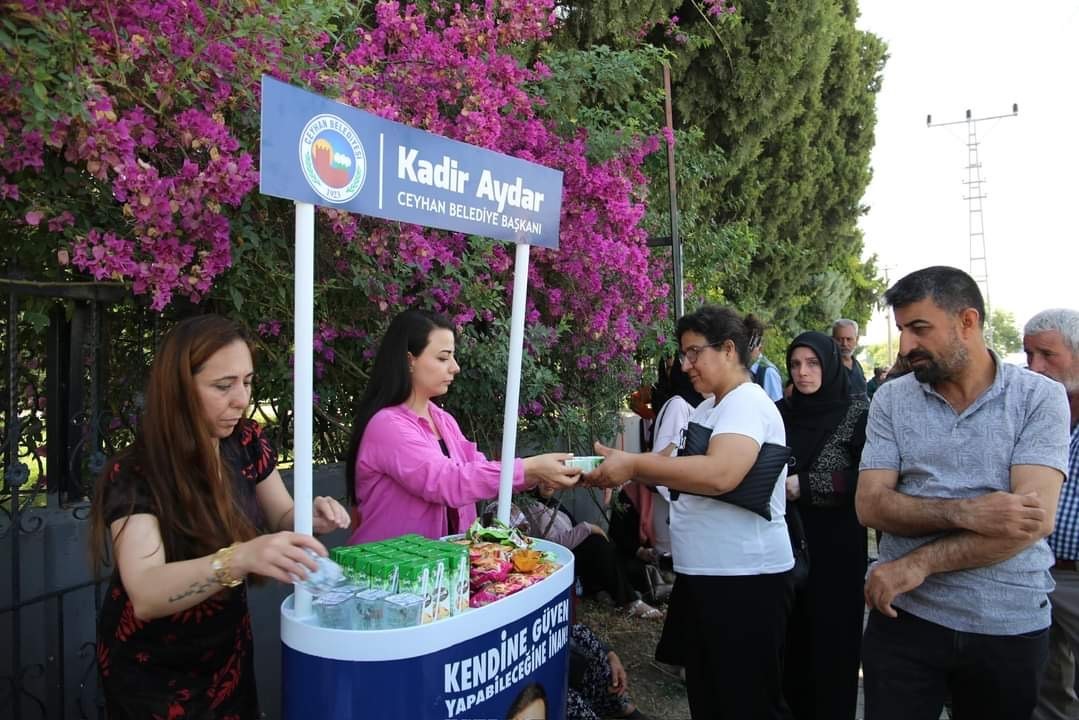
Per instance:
{"type": "Point", "coordinates": [946, 57]}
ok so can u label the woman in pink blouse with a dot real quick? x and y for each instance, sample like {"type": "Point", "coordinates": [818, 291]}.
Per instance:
{"type": "Point", "coordinates": [410, 469]}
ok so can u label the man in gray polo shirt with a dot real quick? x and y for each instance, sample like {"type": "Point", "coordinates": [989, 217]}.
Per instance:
{"type": "Point", "coordinates": [962, 467]}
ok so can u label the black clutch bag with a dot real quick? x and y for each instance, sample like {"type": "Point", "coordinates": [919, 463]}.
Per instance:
{"type": "Point", "coordinates": [754, 493]}
{"type": "Point", "coordinates": [799, 546]}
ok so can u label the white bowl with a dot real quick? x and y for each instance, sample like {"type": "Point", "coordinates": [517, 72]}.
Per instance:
{"type": "Point", "coordinates": [587, 463]}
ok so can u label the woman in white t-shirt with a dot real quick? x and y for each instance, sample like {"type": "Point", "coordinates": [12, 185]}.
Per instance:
{"type": "Point", "coordinates": [732, 596]}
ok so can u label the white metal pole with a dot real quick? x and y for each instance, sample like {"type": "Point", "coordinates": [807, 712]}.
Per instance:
{"type": "Point", "coordinates": [513, 381]}
{"type": "Point", "coordinates": [303, 389]}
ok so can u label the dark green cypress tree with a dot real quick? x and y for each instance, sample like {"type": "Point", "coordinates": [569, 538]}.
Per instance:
{"type": "Point", "coordinates": [783, 96]}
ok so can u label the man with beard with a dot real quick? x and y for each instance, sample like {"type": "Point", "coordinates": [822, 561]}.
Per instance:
{"type": "Point", "coordinates": [845, 334]}
{"type": "Point", "coordinates": [962, 467]}
{"type": "Point", "coordinates": [1051, 342]}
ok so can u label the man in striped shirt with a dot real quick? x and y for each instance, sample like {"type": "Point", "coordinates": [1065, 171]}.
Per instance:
{"type": "Point", "coordinates": [1051, 342]}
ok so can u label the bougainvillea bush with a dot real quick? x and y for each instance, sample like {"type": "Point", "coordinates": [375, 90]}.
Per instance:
{"type": "Point", "coordinates": [129, 137]}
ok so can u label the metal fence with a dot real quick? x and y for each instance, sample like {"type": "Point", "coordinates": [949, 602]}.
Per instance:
{"type": "Point", "coordinates": [63, 412]}
{"type": "Point", "coordinates": [73, 362]}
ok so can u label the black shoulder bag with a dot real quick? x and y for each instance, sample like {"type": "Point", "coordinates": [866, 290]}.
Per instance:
{"type": "Point", "coordinates": [754, 493]}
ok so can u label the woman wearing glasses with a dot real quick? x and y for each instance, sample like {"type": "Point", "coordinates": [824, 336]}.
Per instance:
{"type": "Point", "coordinates": [727, 618]}
{"type": "Point", "coordinates": [410, 468]}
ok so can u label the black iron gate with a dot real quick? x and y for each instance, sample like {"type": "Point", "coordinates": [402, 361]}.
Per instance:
{"type": "Point", "coordinates": [62, 412]}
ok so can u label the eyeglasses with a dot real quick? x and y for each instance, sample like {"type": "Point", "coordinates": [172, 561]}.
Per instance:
{"type": "Point", "coordinates": [693, 352]}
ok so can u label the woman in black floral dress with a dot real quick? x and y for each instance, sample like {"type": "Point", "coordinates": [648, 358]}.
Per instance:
{"type": "Point", "coordinates": [183, 508]}
{"type": "Point", "coordinates": [826, 432]}
{"type": "Point", "coordinates": [598, 686]}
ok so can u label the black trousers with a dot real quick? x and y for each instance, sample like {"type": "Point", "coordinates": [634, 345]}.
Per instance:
{"type": "Point", "coordinates": [598, 568]}
{"type": "Point", "coordinates": [729, 633]}
{"type": "Point", "coordinates": [910, 666]}
{"type": "Point", "coordinates": [824, 637]}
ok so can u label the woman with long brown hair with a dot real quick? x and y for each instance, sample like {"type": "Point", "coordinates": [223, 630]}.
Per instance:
{"type": "Point", "coordinates": [183, 507]}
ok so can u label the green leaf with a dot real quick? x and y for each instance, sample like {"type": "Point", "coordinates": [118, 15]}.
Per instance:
{"type": "Point", "coordinates": [38, 320]}
{"type": "Point", "coordinates": [237, 297]}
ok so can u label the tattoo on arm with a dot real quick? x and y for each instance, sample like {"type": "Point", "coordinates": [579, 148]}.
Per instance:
{"type": "Point", "coordinates": [195, 588]}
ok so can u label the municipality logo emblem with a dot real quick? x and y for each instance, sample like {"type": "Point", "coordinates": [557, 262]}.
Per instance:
{"type": "Point", "coordinates": [332, 158]}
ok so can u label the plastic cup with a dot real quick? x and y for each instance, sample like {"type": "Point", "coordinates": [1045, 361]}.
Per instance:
{"type": "Point", "coordinates": [403, 610]}
{"type": "Point", "coordinates": [587, 463]}
{"type": "Point", "coordinates": [335, 609]}
{"type": "Point", "coordinates": [327, 577]}
{"type": "Point", "coordinates": [370, 609]}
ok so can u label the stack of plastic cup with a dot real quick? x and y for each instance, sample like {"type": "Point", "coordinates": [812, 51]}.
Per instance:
{"type": "Point", "coordinates": [327, 577]}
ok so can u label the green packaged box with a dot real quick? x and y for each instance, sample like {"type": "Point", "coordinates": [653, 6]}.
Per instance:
{"type": "Point", "coordinates": [347, 561]}
{"type": "Point", "coordinates": [436, 571]}
{"type": "Point", "coordinates": [401, 543]}
{"type": "Point", "coordinates": [358, 565]}
{"type": "Point", "coordinates": [379, 572]}
{"type": "Point", "coordinates": [416, 576]}
{"type": "Point", "coordinates": [443, 588]}
{"type": "Point", "coordinates": [341, 555]}
{"type": "Point", "coordinates": [442, 595]}
{"type": "Point", "coordinates": [457, 559]}
{"type": "Point", "coordinates": [350, 557]}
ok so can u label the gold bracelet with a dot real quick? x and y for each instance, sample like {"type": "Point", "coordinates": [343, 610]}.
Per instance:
{"type": "Point", "coordinates": [221, 565]}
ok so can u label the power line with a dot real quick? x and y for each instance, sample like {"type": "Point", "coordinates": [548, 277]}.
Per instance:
{"type": "Point", "coordinates": [979, 264]}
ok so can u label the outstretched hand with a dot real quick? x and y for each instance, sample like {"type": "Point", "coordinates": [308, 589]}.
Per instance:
{"type": "Point", "coordinates": [328, 515]}
{"type": "Point", "coordinates": [550, 470]}
{"type": "Point", "coordinates": [617, 468]}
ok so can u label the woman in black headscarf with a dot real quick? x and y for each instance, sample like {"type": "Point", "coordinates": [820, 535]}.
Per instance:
{"type": "Point", "coordinates": [826, 432]}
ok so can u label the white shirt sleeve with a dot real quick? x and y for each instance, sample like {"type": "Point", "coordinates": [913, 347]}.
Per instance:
{"type": "Point", "coordinates": [673, 417]}
{"type": "Point", "coordinates": [741, 413]}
